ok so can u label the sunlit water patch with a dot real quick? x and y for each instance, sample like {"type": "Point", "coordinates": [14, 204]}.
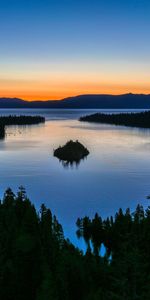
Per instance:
{"type": "Point", "coordinates": [115, 174]}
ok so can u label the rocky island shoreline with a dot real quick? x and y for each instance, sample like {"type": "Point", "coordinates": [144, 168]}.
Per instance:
{"type": "Point", "coordinates": [71, 152]}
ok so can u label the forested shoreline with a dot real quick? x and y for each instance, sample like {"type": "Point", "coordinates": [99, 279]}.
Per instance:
{"type": "Point", "coordinates": [18, 120]}
{"type": "Point", "coordinates": [38, 263]}
{"type": "Point", "coordinates": [141, 119]}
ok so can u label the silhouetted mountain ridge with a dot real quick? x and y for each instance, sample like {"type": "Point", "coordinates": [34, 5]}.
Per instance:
{"type": "Point", "coordinates": [103, 101]}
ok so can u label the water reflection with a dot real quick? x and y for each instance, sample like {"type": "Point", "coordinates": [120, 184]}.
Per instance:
{"type": "Point", "coordinates": [72, 164]}
{"type": "Point", "coordinates": [116, 173]}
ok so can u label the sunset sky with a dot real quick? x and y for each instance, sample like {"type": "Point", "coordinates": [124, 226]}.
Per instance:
{"type": "Point", "coordinates": [51, 49]}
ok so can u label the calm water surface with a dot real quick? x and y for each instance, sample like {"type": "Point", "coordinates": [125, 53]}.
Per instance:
{"type": "Point", "coordinates": [115, 174]}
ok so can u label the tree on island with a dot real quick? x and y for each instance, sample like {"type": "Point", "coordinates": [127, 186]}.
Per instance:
{"type": "Point", "coordinates": [71, 152]}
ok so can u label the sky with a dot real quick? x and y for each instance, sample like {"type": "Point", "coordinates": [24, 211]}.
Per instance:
{"type": "Point", "coordinates": [52, 49]}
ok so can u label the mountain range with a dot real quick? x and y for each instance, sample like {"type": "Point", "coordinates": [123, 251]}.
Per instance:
{"type": "Point", "coordinates": [125, 101]}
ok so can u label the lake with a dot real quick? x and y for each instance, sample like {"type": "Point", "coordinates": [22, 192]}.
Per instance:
{"type": "Point", "coordinates": [115, 174]}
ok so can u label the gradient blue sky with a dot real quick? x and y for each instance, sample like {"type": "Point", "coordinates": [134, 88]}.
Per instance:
{"type": "Point", "coordinates": [58, 48]}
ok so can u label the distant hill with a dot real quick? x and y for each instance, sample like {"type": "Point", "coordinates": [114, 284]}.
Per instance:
{"type": "Point", "coordinates": [83, 101]}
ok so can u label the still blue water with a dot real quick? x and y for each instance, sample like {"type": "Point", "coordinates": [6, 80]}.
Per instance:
{"type": "Point", "coordinates": [115, 174]}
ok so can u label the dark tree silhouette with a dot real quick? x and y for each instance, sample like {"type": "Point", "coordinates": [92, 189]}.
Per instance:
{"type": "Point", "coordinates": [71, 152]}
{"type": "Point", "coordinates": [141, 119]}
{"type": "Point", "coordinates": [38, 263]}
{"type": "Point", "coordinates": [18, 120]}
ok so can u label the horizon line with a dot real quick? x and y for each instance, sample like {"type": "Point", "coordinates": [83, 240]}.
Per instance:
{"type": "Point", "coordinates": [75, 96]}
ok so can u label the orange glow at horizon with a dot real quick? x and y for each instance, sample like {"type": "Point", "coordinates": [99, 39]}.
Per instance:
{"type": "Point", "coordinates": [58, 95]}
{"type": "Point", "coordinates": [59, 86]}
{"type": "Point", "coordinates": [31, 95]}
{"type": "Point", "coordinates": [55, 81]}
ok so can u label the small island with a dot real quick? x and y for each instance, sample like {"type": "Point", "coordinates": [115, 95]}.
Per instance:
{"type": "Point", "coordinates": [71, 152]}
{"type": "Point", "coordinates": [18, 120]}
{"type": "Point", "coordinates": [141, 119]}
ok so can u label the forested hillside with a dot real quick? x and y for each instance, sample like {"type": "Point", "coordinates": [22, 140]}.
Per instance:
{"type": "Point", "coordinates": [38, 263]}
